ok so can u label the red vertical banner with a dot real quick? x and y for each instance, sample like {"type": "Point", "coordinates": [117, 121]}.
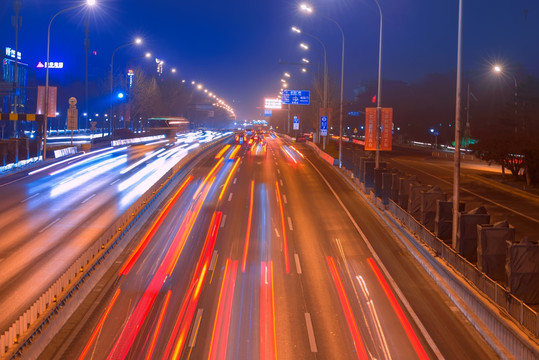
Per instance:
{"type": "Point", "coordinates": [386, 130]}
{"type": "Point", "coordinates": [40, 108]}
{"type": "Point", "coordinates": [370, 129]}
{"type": "Point", "coordinates": [52, 101]}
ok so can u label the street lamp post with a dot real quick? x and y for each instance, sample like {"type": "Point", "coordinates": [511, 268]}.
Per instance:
{"type": "Point", "coordinates": [308, 9]}
{"type": "Point", "coordinates": [499, 70]}
{"type": "Point", "coordinates": [379, 96]}
{"type": "Point", "coordinates": [325, 100]}
{"type": "Point", "coordinates": [456, 159]}
{"type": "Point", "coordinates": [88, 3]}
{"type": "Point", "coordinates": [136, 41]}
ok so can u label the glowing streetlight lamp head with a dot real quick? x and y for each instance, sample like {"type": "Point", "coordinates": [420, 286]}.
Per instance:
{"type": "Point", "coordinates": [199, 86]}
{"type": "Point", "coordinates": [296, 30]}
{"type": "Point", "coordinates": [306, 61]}
{"type": "Point", "coordinates": [304, 46]}
{"type": "Point", "coordinates": [138, 41]}
{"type": "Point", "coordinates": [287, 74]}
{"type": "Point", "coordinates": [497, 69]}
{"type": "Point", "coordinates": [148, 55]}
{"type": "Point", "coordinates": [283, 80]}
{"type": "Point", "coordinates": [306, 8]}
{"type": "Point", "coordinates": [285, 85]}
{"type": "Point", "coordinates": [90, 2]}
{"type": "Point", "coordinates": [304, 70]}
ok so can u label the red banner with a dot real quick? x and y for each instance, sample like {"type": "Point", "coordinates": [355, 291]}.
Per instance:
{"type": "Point", "coordinates": [370, 128]}
{"type": "Point", "coordinates": [386, 130]}
{"type": "Point", "coordinates": [40, 109]}
{"type": "Point", "coordinates": [386, 124]}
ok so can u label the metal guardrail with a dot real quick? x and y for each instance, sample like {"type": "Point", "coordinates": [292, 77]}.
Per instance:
{"type": "Point", "coordinates": [516, 308]}
{"type": "Point", "coordinates": [31, 323]}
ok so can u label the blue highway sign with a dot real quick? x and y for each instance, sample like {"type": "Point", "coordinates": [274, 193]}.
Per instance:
{"type": "Point", "coordinates": [296, 97]}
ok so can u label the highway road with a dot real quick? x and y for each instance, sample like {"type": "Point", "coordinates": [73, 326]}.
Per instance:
{"type": "Point", "coordinates": [502, 202]}
{"type": "Point", "coordinates": [265, 254]}
{"type": "Point", "coordinates": [51, 214]}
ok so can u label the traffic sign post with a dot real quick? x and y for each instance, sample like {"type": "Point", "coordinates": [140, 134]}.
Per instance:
{"type": "Point", "coordinates": [296, 97]}
{"type": "Point", "coordinates": [296, 123]}
{"type": "Point", "coordinates": [324, 130]}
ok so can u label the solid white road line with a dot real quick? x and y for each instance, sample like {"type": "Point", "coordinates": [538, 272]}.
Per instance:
{"type": "Point", "coordinates": [397, 290]}
{"type": "Point", "coordinates": [310, 332]}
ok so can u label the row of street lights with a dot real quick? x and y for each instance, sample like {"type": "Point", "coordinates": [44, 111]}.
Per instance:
{"type": "Point", "coordinates": [137, 41]}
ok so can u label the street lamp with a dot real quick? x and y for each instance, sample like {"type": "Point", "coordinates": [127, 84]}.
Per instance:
{"type": "Point", "coordinates": [298, 31]}
{"type": "Point", "coordinates": [87, 3]}
{"type": "Point", "coordinates": [304, 46]}
{"type": "Point", "coordinates": [456, 158]}
{"type": "Point", "coordinates": [379, 96]}
{"type": "Point", "coordinates": [308, 9]}
{"type": "Point", "coordinates": [499, 70]}
{"type": "Point", "coordinates": [137, 41]}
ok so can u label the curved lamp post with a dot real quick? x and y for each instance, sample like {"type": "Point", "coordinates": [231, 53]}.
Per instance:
{"type": "Point", "coordinates": [325, 100]}
{"type": "Point", "coordinates": [87, 3]}
{"type": "Point", "coordinates": [137, 41]}
{"type": "Point", "coordinates": [308, 9]}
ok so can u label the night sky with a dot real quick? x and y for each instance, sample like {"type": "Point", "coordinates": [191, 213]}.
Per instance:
{"type": "Point", "coordinates": [233, 47]}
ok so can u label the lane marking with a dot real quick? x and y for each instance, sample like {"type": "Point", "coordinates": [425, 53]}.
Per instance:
{"type": "Point", "coordinates": [276, 163]}
{"type": "Point", "coordinates": [114, 182]}
{"type": "Point", "coordinates": [51, 224]}
{"type": "Point", "coordinates": [298, 265]}
{"type": "Point", "coordinates": [290, 224]}
{"type": "Point", "coordinates": [224, 220]}
{"type": "Point", "coordinates": [278, 171]}
{"type": "Point", "coordinates": [213, 260]}
{"type": "Point", "coordinates": [310, 332]}
{"type": "Point", "coordinates": [284, 199]}
{"type": "Point", "coordinates": [399, 293]}
{"type": "Point", "coordinates": [281, 182]}
{"type": "Point", "coordinates": [277, 233]}
{"type": "Point", "coordinates": [88, 198]}
{"type": "Point", "coordinates": [29, 198]}
{"type": "Point", "coordinates": [198, 319]}
{"type": "Point", "coordinates": [235, 179]}
{"type": "Point", "coordinates": [230, 197]}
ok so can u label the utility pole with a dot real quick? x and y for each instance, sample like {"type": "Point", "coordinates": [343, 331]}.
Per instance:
{"type": "Point", "coordinates": [86, 49]}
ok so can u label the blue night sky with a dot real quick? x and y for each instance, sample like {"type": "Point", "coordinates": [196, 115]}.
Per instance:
{"type": "Point", "coordinates": [233, 47]}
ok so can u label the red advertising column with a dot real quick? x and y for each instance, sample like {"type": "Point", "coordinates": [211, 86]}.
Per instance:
{"type": "Point", "coordinates": [370, 129]}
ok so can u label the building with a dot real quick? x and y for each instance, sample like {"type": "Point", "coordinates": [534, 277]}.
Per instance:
{"type": "Point", "coordinates": [8, 77]}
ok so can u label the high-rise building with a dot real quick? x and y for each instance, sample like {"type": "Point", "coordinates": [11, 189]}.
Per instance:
{"type": "Point", "coordinates": [8, 78]}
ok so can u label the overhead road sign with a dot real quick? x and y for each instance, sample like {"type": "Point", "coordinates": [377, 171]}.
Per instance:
{"type": "Point", "coordinates": [272, 104]}
{"type": "Point", "coordinates": [296, 97]}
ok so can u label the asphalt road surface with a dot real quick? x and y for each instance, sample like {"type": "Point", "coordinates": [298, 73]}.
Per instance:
{"type": "Point", "coordinates": [49, 216]}
{"type": "Point", "coordinates": [267, 253]}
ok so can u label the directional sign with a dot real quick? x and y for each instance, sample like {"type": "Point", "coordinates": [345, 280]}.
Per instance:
{"type": "Point", "coordinates": [267, 112]}
{"type": "Point", "coordinates": [323, 126]}
{"type": "Point", "coordinates": [296, 97]}
{"type": "Point", "coordinates": [296, 123]}
{"type": "Point", "coordinates": [353, 113]}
